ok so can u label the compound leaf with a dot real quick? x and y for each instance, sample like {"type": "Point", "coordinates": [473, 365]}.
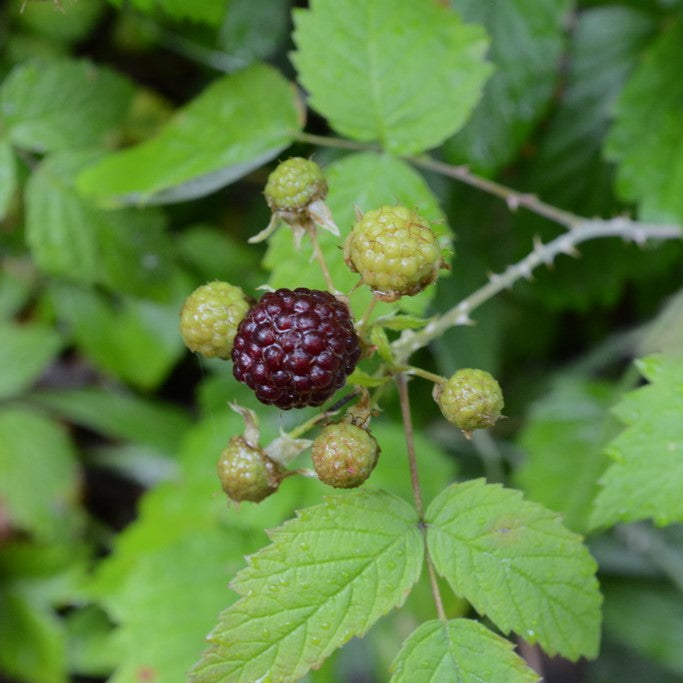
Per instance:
{"type": "Point", "coordinates": [526, 46]}
{"type": "Point", "coordinates": [645, 478]}
{"type": "Point", "coordinates": [461, 651]}
{"type": "Point", "coordinates": [405, 74]}
{"type": "Point", "coordinates": [328, 576]}
{"type": "Point", "coordinates": [516, 563]}
{"type": "Point", "coordinates": [63, 104]}
{"type": "Point", "coordinates": [646, 140]}
{"type": "Point", "coordinates": [237, 124]}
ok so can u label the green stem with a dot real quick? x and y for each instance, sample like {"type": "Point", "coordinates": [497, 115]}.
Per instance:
{"type": "Point", "coordinates": [320, 258]}
{"type": "Point", "coordinates": [410, 340]}
{"type": "Point", "coordinates": [425, 374]}
{"type": "Point", "coordinates": [366, 316]}
{"type": "Point", "coordinates": [404, 397]}
{"type": "Point", "coordinates": [410, 443]}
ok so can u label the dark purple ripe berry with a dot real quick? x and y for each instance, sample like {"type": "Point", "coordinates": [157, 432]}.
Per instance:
{"type": "Point", "coordinates": [295, 348]}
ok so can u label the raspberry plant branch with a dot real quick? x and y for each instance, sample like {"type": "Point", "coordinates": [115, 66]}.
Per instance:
{"type": "Point", "coordinates": [512, 198]}
{"type": "Point", "coordinates": [410, 341]}
{"type": "Point", "coordinates": [406, 414]}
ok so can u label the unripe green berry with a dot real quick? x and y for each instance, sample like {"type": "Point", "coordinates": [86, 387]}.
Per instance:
{"type": "Point", "coordinates": [210, 317]}
{"type": "Point", "coordinates": [471, 399]}
{"type": "Point", "coordinates": [247, 473]}
{"type": "Point", "coordinates": [395, 252]}
{"type": "Point", "coordinates": [294, 184]}
{"type": "Point", "coordinates": [344, 455]}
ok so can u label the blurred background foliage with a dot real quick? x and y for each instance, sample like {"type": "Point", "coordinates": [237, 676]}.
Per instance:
{"type": "Point", "coordinates": [116, 546]}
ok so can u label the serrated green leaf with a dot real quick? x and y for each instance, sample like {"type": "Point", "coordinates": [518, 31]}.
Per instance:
{"type": "Point", "coordinates": [527, 37]}
{"type": "Point", "coordinates": [8, 176]}
{"type": "Point", "coordinates": [124, 249]}
{"type": "Point", "coordinates": [328, 575]}
{"type": "Point", "coordinates": [119, 415]}
{"type": "Point", "coordinates": [39, 479]}
{"type": "Point", "coordinates": [367, 181]}
{"type": "Point", "coordinates": [516, 563]}
{"type": "Point", "coordinates": [563, 438]}
{"type": "Point", "coordinates": [406, 74]}
{"type": "Point", "coordinates": [62, 104]}
{"type": "Point", "coordinates": [135, 339]}
{"type": "Point", "coordinates": [646, 141]}
{"type": "Point", "coordinates": [648, 617]}
{"type": "Point", "coordinates": [645, 478]}
{"type": "Point", "coordinates": [460, 651]}
{"type": "Point", "coordinates": [237, 124]}
{"type": "Point", "coordinates": [25, 351]}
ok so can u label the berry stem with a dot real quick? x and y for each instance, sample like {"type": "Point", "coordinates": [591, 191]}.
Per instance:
{"type": "Point", "coordinates": [634, 231]}
{"type": "Point", "coordinates": [402, 383]}
{"type": "Point", "coordinates": [404, 397]}
{"type": "Point", "coordinates": [320, 257]}
{"type": "Point", "coordinates": [304, 427]}
{"type": "Point", "coordinates": [425, 374]}
{"type": "Point", "coordinates": [366, 316]}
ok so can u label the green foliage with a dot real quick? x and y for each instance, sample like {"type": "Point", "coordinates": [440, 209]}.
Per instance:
{"type": "Point", "coordinates": [645, 478]}
{"type": "Point", "coordinates": [328, 576]}
{"type": "Point", "coordinates": [117, 545]}
{"type": "Point", "coordinates": [413, 93]}
{"type": "Point", "coordinates": [563, 439]}
{"type": "Point", "coordinates": [518, 565]}
{"type": "Point", "coordinates": [648, 617]}
{"type": "Point", "coordinates": [38, 493]}
{"type": "Point", "coordinates": [69, 236]}
{"type": "Point", "coordinates": [234, 126]}
{"type": "Point", "coordinates": [62, 105]}
{"type": "Point", "coordinates": [207, 11]}
{"type": "Point", "coordinates": [526, 45]}
{"type": "Point", "coordinates": [646, 140]}
{"type": "Point", "coordinates": [25, 351]}
{"type": "Point", "coordinates": [458, 650]}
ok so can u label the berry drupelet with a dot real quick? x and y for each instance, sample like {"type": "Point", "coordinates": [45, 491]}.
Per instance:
{"type": "Point", "coordinates": [295, 348]}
